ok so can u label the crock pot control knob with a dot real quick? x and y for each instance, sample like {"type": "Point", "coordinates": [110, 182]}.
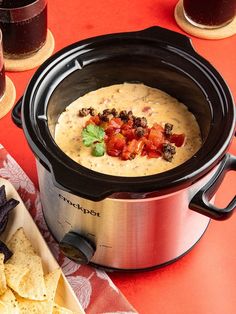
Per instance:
{"type": "Point", "coordinates": [77, 248]}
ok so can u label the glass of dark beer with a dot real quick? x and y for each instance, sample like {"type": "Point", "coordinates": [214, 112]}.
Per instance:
{"type": "Point", "coordinates": [209, 13]}
{"type": "Point", "coordinates": [2, 70]}
{"type": "Point", "coordinates": [24, 27]}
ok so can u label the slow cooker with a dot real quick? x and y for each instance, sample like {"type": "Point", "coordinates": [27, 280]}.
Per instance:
{"type": "Point", "coordinates": [129, 223]}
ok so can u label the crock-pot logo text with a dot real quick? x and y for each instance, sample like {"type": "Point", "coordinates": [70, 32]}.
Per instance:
{"type": "Point", "coordinates": [78, 206]}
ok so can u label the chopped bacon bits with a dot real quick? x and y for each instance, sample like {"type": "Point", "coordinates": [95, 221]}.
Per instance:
{"type": "Point", "coordinates": [86, 111]}
{"type": "Point", "coordinates": [127, 136]}
{"type": "Point", "coordinates": [139, 132]}
{"type": "Point", "coordinates": [140, 122]}
{"type": "Point", "coordinates": [168, 128]}
{"type": "Point", "coordinates": [125, 116]}
{"type": "Point", "coordinates": [93, 120]}
{"type": "Point", "coordinates": [168, 151]}
{"type": "Point", "coordinates": [83, 112]}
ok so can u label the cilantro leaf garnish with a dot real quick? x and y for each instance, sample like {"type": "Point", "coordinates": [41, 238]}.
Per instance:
{"type": "Point", "coordinates": [98, 149]}
{"type": "Point", "coordinates": [92, 134]}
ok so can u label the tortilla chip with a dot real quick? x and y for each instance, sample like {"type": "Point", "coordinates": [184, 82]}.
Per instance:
{"type": "Point", "coordinates": [51, 282]}
{"type": "Point", "coordinates": [3, 308]}
{"type": "Point", "coordinates": [3, 283]}
{"type": "Point", "coordinates": [16, 275]}
{"type": "Point", "coordinates": [42, 307]}
{"type": "Point", "coordinates": [8, 303]}
{"type": "Point", "coordinates": [31, 284]}
{"type": "Point", "coordinates": [27, 306]}
{"type": "Point", "coordinates": [57, 309]}
{"type": "Point", "coordinates": [24, 287]}
{"type": "Point", "coordinates": [20, 243]}
{"type": "Point", "coordinates": [24, 274]}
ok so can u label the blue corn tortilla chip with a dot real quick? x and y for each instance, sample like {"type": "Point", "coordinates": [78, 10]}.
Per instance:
{"type": "Point", "coordinates": [5, 250]}
{"type": "Point", "coordinates": [5, 207]}
{"type": "Point", "coordinates": [3, 224]}
{"type": "Point", "coordinates": [3, 197]}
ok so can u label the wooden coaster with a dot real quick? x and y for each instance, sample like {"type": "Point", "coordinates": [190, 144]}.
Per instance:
{"type": "Point", "coordinates": [34, 60]}
{"type": "Point", "coordinates": [217, 33]}
{"type": "Point", "coordinates": [8, 99]}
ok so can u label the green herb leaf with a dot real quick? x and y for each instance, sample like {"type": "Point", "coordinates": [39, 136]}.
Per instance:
{"type": "Point", "coordinates": [91, 134]}
{"type": "Point", "coordinates": [98, 150]}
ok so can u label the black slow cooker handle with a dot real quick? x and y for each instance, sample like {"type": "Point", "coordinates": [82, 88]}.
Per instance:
{"type": "Point", "coordinates": [201, 201]}
{"type": "Point", "coordinates": [16, 113]}
{"type": "Point", "coordinates": [167, 36]}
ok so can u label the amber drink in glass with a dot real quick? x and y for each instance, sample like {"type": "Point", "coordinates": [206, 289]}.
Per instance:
{"type": "Point", "coordinates": [24, 26]}
{"type": "Point", "coordinates": [209, 13]}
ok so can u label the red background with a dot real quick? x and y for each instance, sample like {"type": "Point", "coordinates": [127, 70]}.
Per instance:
{"type": "Point", "coordinates": [203, 281]}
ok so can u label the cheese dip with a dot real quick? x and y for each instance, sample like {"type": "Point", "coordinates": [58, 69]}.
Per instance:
{"type": "Point", "coordinates": [153, 104]}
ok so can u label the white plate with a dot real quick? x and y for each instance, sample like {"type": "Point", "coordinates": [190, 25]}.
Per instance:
{"type": "Point", "coordinates": [20, 217]}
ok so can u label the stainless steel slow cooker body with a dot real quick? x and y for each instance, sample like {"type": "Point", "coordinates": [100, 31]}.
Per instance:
{"type": "Point", "coordinates": [122, 234]}
{"type": "Point", "coordinates": [138, 222]}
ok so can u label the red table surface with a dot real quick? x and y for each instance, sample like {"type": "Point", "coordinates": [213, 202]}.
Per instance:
{"type": "Point", "coordinates": [203, 281]}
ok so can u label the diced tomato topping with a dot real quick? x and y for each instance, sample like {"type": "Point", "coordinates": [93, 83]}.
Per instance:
{"type": "Point", "coordinates": [139, 146]}
{"type": "Point", "coordinates": [113, 126]}
{"type": "Point", "coordinates": [126, 126]}
{"type": "Point", "coordinates": [129, 124]}
{"type": "Point", "coordinates": [129, 134]}
{"type": "Point", "coordinates": [151, 150]}
{"type": "Point", "coordinates": [129, 150]}
{"type": "Point", "coordinates": [115, 123]}
{"type": "Point", "coordinates": [111, 131]}
{"type": "Point", "coordinates": [115, 144]}
{"type": "Point", "coordinates": [154, 154]}
{"type": "Point", "coordinates": [177, 139]}
{"type": "Point", "coordinates": [125, 140]}
{"type": "Point", "coordinates": [133, 148]}
{"type": "Point", "coordinates": [128, 131]}
{"type": "Point", "coordinates": [149, 145]}
{"type": "Point", "coordinates": [93, 120]}
{"type": "Point", "coordinates": [156, 136]}
{"type": "Point", "coordinates": [103, 125]}
{"type": "Point", "coordinates": [158, 127]}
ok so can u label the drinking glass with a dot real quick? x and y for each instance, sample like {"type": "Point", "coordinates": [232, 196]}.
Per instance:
{"type": "Point", "coordinates": [2, 70]}
{"type": "Point", "coordinates": [209, 13]}
{"type": "Point", "coordinates": [24, 27]}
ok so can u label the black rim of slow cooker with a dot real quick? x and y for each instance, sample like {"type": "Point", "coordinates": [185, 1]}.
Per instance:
{"type": "Point", "coordinates": [96, 186]}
